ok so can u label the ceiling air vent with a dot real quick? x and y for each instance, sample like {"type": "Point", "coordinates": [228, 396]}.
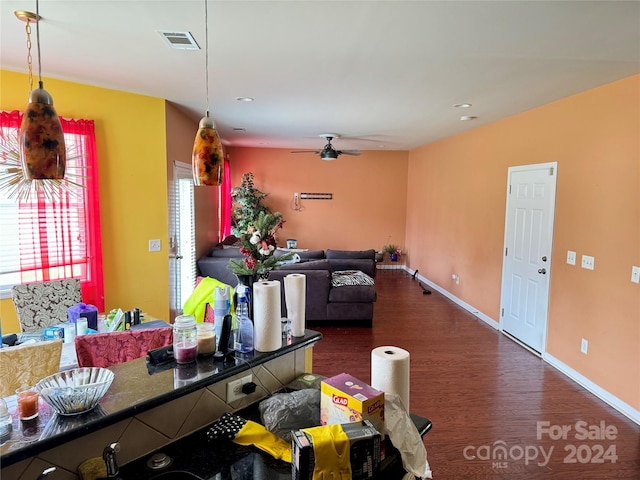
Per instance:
{"type": "Point", "coordinates": [180, 40]}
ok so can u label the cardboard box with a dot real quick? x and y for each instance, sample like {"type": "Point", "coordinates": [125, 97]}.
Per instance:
{"type": "Point", "coordinates": [364, 452]}
{"type": "Point", "coordinates": [346, 399]}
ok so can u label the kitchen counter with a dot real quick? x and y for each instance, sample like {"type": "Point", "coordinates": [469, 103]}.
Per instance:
{"type": "Point", "coordinates": [138, 389]}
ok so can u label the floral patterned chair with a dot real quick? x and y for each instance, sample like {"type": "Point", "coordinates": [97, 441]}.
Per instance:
{"type": "Point", "coordinates": [42, 304]}
{"type": "Point", "coordinates": [107, 349]}
{"type": "Point", "coordinates": [25, 365]}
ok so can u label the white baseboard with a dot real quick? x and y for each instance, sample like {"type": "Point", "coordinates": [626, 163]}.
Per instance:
{"type": "Point", "coordinates": [624, 408]}
{"type": "Point", "coordinates": [485, 318]}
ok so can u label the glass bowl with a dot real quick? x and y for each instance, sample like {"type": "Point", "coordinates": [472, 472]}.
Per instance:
{"type": "Point", "coordinates": [76, 391]}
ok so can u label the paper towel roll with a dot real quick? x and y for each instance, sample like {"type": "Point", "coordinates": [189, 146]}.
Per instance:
{"type": "Point", "coordinates": [390, 371]}
{"type": "Point", "coordinates": [267, 330]}
{"type": "Point", "coordinates": [295, 292]}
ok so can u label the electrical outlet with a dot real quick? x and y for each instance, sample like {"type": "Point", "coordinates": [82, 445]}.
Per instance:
{"type": "Point", "coordinates": [571, 257]}
{"type": "Point", "coordinates": [154, 245]}
{"type": "Point", "coordinates": [584, 346]}
{"type": "Point", "coordinates": [456, 278]}
{"type": "Point", "coordinates": [588, 262]}
{"type": "Point", "coordinates": [295, 196]}
{"type": "Point", "coordinates": [635, 274]}
{"type": "Point", "coordinates": [234, 388]}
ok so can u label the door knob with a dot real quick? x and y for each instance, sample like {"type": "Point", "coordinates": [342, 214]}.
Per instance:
{"type": "Point", "coordinates": [542, 271]}
{"type": "Point", "coordinates": [544, 259]}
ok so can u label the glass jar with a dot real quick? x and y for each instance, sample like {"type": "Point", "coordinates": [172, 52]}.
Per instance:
{"type": "Point", "coordinates": [184, 339]}
{"type": "Point", "coordinates": [206, 339]}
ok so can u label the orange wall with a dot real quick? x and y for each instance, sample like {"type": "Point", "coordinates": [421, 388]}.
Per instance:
{"type": "Point", "coordinates": [368, 205]}
{"type": "Point", "coordinates": [456, 197]}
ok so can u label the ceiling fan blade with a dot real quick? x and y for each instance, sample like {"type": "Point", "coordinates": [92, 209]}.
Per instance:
{"type": "Point", "coordinates": [349, 152]}
{"type": "Point", "coordinates": [317, 152]}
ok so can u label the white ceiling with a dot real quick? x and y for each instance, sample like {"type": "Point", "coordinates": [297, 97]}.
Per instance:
{"type": "Point", "coordinates": [376, 73]}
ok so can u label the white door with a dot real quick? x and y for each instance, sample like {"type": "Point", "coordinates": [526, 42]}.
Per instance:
{"type": "Point", "coordinates": [182, 260]}
{"type": "Point", "coordinates": [527, 247]}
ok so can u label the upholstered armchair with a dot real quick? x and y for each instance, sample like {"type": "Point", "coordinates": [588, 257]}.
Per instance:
{"type": "Point", "coordinates": [43, 304]}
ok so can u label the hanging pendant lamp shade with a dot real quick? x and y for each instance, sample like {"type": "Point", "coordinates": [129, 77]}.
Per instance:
{"type": "Point", "coordinates": [41, 141]}
{"type": "Point", "coordinates": [208, 157]}
{"type": "Point", "coordinates": [42, 149]}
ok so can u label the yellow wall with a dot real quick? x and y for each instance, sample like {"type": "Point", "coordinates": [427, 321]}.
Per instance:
{"type": "Point", "coordinates": [455, 222]}
{"type": "Point", "coordinates": [369, 192]}
{"type": "Point", "coordinates": [130, 136]}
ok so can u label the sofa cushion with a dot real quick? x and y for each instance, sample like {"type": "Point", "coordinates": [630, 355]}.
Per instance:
{"type": "Point", "coordinates": [309, 265]}
{"type": "Point", "coordinates": [352, 294]}
{"type": "Point", "coordinates": [345, 278]}
{"type": "Point", "coordinates": [351, 254]}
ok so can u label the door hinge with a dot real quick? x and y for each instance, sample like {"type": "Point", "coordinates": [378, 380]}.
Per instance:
{"type": "Point", "coordinates": [506, 251]}
{"type": "Point", "coordinates": [551, 169]}
{"type": "Point", "coordinates": [502, 313]}
{"type": "Point", "coordinates": [509, 189]}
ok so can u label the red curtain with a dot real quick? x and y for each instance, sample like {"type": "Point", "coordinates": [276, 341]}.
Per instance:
{"type": "Point", "coordinates": [225, 202]}
{"type": "Point", "coordinates": [59, 233]}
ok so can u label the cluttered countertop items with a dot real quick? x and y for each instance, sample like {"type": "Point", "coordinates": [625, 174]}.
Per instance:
{"type": "Point", "coordinates": [137, 386]}
{"type": "Point", "coordinates": [276, 439]}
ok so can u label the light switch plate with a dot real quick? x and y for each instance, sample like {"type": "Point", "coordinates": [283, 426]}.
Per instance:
{"type": "Point", "coordinates": [588, 262]}
{"type": "Point", "coordinates": [571, 257]}
{"type": "Point", "coordinates": [635, 274]}
{"type": "Point", "coordinates": [154, 245]}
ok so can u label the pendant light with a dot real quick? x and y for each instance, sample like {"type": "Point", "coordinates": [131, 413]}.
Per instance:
{"type": "Point", "coordinates": [208, 157]}
{"type": "Point", "coordinates": [41, 140]}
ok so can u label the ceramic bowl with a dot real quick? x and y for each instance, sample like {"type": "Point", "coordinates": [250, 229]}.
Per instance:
{"type": "Point", "coordinates": [76, 391]}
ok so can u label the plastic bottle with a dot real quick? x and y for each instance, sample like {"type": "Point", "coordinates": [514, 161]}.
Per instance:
{"type": "Point", "coordinates": [244, 337]}
{"type": "Point", "coordinates": [221, 307]}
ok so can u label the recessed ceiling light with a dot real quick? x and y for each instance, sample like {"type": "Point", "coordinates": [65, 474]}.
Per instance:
{"type": "Point", "coordinates": [244, 99]}
{"type": "Point", "coordinates": [462, 105]}
{"type": "Point", "coordinates": [466, 118]}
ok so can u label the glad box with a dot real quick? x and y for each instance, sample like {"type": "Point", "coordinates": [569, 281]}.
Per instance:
{"type": "Point", "coordinates": [345, 399]}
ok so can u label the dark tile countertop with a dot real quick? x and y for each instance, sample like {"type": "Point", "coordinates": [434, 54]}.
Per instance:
{"type": "Point", "coordinates": [137, 387]}
{"type": "Point", "coordinates": [225, 460]}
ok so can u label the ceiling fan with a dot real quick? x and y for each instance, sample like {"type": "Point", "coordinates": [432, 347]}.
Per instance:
{"type": "Point", "coordinates": [328, 152]}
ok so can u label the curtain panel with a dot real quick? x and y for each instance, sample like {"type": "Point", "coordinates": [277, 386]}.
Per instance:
{"type": "Point", "coordinates": [55, 233]}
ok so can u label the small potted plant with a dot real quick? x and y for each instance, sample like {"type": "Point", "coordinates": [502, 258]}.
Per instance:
{"type": "Point", "coordinates": [393, 251]}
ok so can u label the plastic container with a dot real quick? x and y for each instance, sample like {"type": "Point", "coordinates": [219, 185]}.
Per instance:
{"type": "Point", "coordinates": [244, 335]}
{"type": "Point", "coordinates": [185, 346]}
{"type": "Point", "coordinates": [206, 339]}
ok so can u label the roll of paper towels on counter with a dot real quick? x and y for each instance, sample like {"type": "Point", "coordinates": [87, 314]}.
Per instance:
{"type": "Point", "coordinates": [267, 329]}
{"type": "Point", "coordinates": [295, 291]}
{"type": "Point", "coordinates": [390, 371]}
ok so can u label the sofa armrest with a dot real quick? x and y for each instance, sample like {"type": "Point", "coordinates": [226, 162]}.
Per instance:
{"type": "Point", "coordinates": [215, 267]}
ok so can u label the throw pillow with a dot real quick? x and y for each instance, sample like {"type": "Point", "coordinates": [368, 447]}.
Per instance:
{"type": "Point", "coordinates": [343, 278]}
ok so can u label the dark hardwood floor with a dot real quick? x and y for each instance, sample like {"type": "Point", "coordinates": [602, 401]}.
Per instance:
{"type": "Point", "coordinates": [482, 390]}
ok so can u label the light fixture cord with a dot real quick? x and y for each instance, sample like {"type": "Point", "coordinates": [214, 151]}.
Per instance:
{"type": "Point", "coordinates": [38, 42]}
{"type": "Point", "coordinates": [206, 50]}
{"type": "Point", "coordinates": [29, 59]}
